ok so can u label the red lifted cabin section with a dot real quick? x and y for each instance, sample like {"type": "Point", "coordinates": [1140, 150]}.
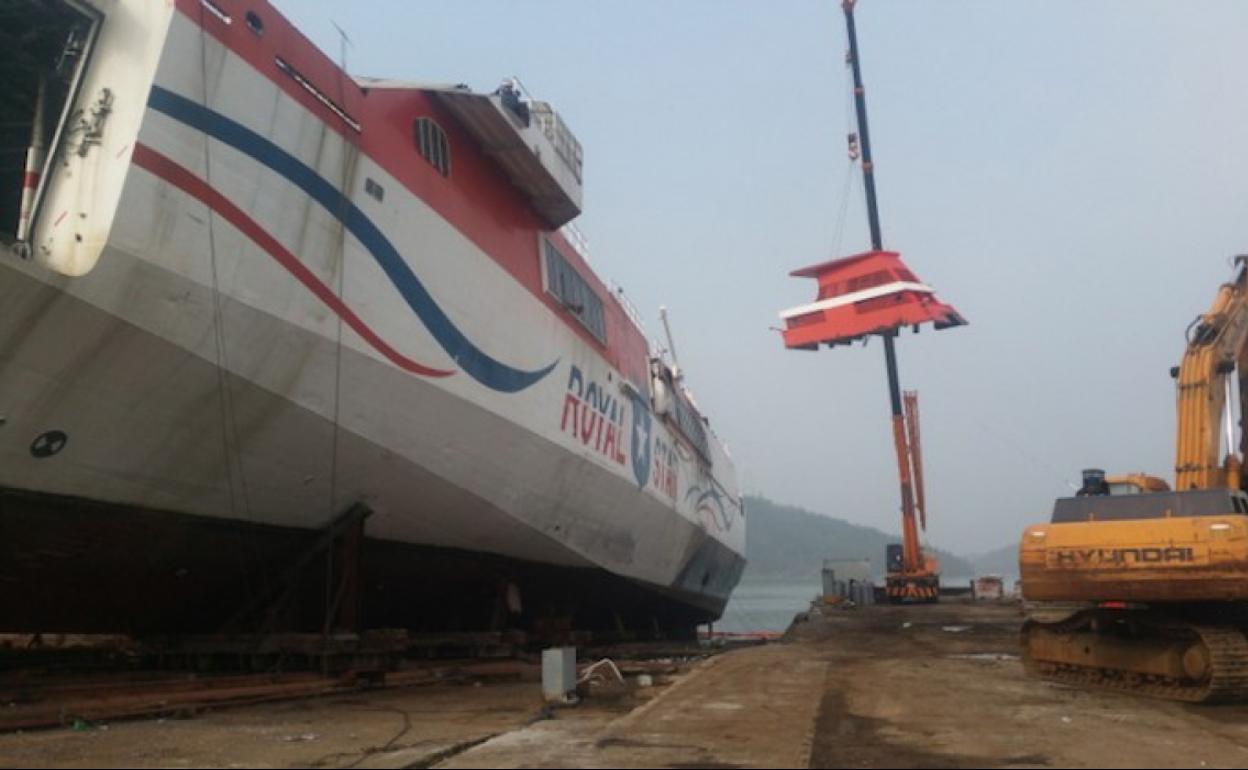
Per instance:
{"type": "Point", "coordinates": [869, 293]}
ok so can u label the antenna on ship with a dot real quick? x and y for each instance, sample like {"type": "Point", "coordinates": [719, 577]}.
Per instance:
{"type": "Point", "coordinates": [671, 344]}
{"type": "Point", "coordinates": [343, 43]}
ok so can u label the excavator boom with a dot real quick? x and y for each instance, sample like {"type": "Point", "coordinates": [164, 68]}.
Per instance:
{"type": "Point", "coordinates": [1216, 348]}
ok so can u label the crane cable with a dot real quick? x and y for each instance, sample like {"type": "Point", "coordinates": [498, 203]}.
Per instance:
{"type": "Point", "coordinates": [229, 427]}
{"type": "Point", "coordinates": [349, 156]}
{"type": "Point", "coordinates": [847, 187]}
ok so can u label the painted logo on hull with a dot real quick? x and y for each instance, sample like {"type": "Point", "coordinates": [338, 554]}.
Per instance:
{"type": "Point", "coordinates": [594, 415]}
{"type": "Point", "coordinates": [709, 501]}
{"type": "Point", "coordinates": [643, 426]}
{"type": "Point", "coordinates": [665, 464]}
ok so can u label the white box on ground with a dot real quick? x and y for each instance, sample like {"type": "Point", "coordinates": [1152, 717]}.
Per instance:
{"type": "Point", "coordinates": [558, 673]}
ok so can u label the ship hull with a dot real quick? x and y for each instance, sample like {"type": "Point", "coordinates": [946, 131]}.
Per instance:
{"type": "Point", "coordinates": [248, 308]}
{"type": "Point", "coordinates": [85, 567]}
{"type": "Point", "coordinates": [150, 518]}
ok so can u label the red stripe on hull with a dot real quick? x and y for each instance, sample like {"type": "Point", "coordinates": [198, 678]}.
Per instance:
{"type": "Point", "coordinates": [168, 170]}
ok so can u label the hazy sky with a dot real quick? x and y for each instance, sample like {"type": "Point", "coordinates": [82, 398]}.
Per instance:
{"type": "Point", "coordinates": [1072, 175]}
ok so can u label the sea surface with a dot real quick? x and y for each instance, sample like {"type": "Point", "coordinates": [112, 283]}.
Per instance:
{"type": "Point", "coordinates": [771, 605]}
{"type": "Point", "coordinates": [767, 606]}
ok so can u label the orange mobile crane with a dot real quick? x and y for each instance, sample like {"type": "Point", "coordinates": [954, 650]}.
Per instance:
{"type": "Point", "coordinates": [1139, 588]}
{"type": "Point", "coordinates": [874, 294]}
{"type": "Point", "coordinates": [913, 575]}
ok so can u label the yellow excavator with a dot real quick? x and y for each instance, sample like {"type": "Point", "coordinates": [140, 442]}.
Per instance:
{"type": "Point", "coordinates": [1141, 588]}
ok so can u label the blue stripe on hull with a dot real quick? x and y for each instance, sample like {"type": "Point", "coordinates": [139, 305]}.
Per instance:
{"type": "Point", "coordinates": [476, 363]}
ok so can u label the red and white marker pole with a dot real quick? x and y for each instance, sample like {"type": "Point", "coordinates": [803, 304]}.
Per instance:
{"type": "Point", "coordinates": [34, 166]}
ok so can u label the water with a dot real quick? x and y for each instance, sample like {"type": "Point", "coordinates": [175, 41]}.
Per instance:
{"type": "Point", "coordinates": [770, 606]}
{"type": "Point", "coordinates": [767, 606]}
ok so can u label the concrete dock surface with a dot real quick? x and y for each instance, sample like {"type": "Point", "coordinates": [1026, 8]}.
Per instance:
{"type": "Point", "coordinates": [933, 686]}
{"type": "Point", "coordinates": [749, 708]}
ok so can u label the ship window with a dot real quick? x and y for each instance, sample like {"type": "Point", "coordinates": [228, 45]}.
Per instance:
{"type": "Point", "coordinates": [871, 305]}
{"type": "Point", "coordinates": [431, 142]}
{"type": "Point", "coordinates": [254, 23]}
{"type": "Point", "coordinates": [374, 189]}
{"type": "Point", "coordinates": [869, 281]}
{"type": "Point", "coordinates": [574, 292]}
{"type": "Point", "coordinates": [831, 290]}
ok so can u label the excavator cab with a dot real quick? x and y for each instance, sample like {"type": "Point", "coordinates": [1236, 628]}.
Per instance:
{"type": "Point", "coordinates": [1096, 483]}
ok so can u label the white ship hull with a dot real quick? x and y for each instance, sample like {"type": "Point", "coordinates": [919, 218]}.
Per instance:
{"type": "Point", "coordinates": [189, 367]}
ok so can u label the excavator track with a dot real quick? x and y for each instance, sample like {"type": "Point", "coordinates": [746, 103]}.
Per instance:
{"type": "Point", "coordinates": [1226, 648]}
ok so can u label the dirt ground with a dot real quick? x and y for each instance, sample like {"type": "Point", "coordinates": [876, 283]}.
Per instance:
{"type": "Point", "coordinates": [942, 687]}
{"type": "Point", "coordinates": [401, 728]}
{"type": "Point", "coordinates": [938, 686]}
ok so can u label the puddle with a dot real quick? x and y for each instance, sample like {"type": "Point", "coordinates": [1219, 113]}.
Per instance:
{"type": "Point", "coordinates": [991, 657]}
{"type": "Point", "coordinates": [722, 706]}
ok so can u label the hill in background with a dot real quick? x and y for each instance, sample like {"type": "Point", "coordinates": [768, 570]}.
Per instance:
{"type": "Point", "coordinates": [790, 543]}
{"type": "Point", "coordinates": [1003, 561]}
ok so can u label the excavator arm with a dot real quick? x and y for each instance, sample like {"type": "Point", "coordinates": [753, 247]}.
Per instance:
{"type": "Point", "coordinates": [1217, 345]}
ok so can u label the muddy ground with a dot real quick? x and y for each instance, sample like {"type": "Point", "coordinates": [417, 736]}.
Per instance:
{"type": "Point", "coordinates": [942, 687]}
{"type": "Point", "coordinates": [937, 687]}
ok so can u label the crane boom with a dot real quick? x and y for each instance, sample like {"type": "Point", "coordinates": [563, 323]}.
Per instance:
{"type": "Point", "coordinates": [918, 579]}
{"type": "Point", "coordinates": [873, 294]}
{"type": "Point", "coordinates": [916, 455]}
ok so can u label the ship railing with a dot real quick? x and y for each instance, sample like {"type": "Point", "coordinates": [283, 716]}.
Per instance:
{"type": "Point", "coordinates": [566, 145]}
{"type": "Point", "coordinates": [577, 240]}
{"type": "Point", "coordinates": [630, 309]}
{"type": "Point", "coordinates": [573, 235]}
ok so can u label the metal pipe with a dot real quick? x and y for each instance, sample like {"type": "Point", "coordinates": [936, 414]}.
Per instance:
{"type": "Point", "coordinates": [1228, 412]}
{"type": "Point", "coordinates": [1233, 466]}
{"type": "Point", "coordinates": [671, 344]}
{"type": "Point", "coordinates": [916, 455]}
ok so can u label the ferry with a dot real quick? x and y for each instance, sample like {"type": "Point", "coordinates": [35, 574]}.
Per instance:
{"type": "Point", "coordinates": [251, 304]}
